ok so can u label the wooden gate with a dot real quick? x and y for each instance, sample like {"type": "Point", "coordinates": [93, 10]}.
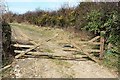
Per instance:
{"type": "Point", "coordinates": [98, 40]}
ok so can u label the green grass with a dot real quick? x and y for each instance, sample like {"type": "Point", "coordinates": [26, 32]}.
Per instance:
{"type": "Point", "coordinates": [62, 63]}
{"type": "Point", "coordinates": [112, 61]}
{"type": "Point", "coordinates": [48, 50]}
{"type": "Point", "coordinates": [6, 73]}
{"type": "Point", "coordinates": [33, 30]}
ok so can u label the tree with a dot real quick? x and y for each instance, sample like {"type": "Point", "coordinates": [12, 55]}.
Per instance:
{"type": "Point", "coordinates": [107, 21]}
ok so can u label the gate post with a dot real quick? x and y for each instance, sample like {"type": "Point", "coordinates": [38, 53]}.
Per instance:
{"type": "Point", "coordinates": [102, 40]}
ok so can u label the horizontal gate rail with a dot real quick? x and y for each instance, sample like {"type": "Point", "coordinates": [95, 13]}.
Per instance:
{"type": "Point", "coordinates": [21, 45]}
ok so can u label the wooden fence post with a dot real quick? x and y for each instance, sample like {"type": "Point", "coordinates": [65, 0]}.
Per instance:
{"type": "Point", "coordinates": [102, 40]}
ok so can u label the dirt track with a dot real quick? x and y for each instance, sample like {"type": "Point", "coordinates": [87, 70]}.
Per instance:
{"type": "Point", "coordinates": [52, 68]}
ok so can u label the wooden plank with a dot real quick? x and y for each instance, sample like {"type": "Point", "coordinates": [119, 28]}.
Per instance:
{"type": "Point", "coordinates": [80, 49]}
{"type": "Point", "coordinates": [86, 42]}
{"type": "Point", "coordinates": [60, 57]}
{"type": "Point", "coordinates": [21, 54]}
{"type": "Point", "coordinates": [20, 45]}
{"type": "Point", "coordinates": [95, 38]}
{"type": "Point", "coordinates": [55, 56]}
{"type": "Point", "coordinates": [19, 51]}
{"type": "Point", "coordinates": [8, 66]}
{"type": "Point", "coordinates": [69, 49]}
{"type": "Point", "coordinates": [102, 44]}
{"type": "Point", "coordinates": [92, 50]}
{"type": "Point", "coordinates": [83, 42]}
{"type": "Point", "coordinates": [32, 53]}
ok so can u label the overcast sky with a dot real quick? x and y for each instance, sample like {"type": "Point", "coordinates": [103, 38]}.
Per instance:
{"type": "Point", "coordinates": [22, 6]}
